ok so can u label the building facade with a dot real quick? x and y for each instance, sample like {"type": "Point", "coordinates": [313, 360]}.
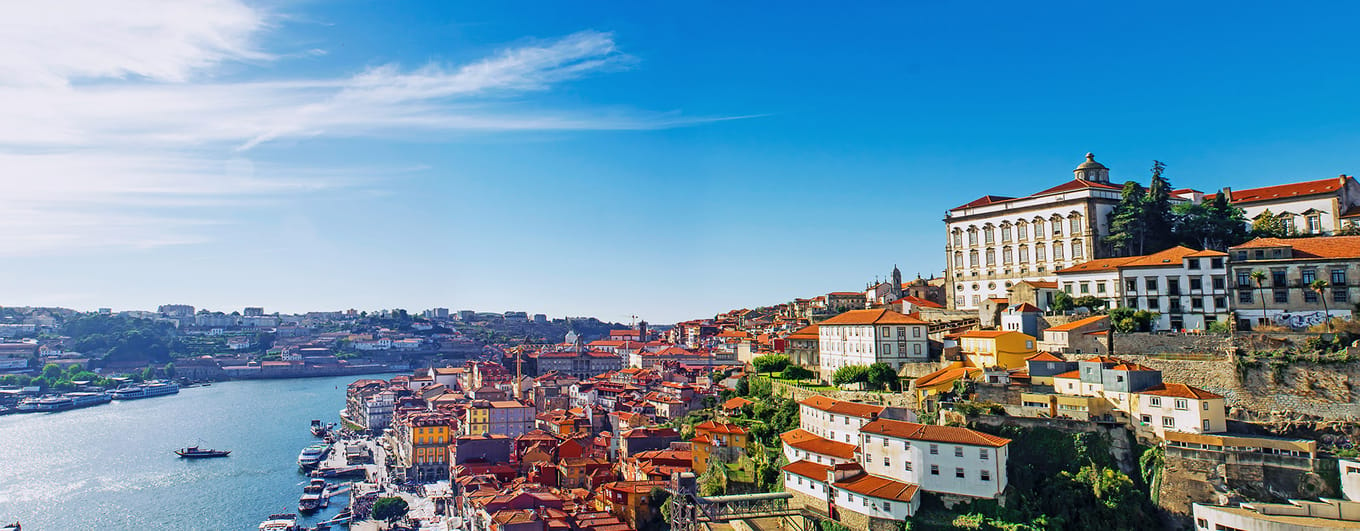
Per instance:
{"type": "Point", "coordinates": [1290, 265]}
{"type": "Point", "coordinates": [866, 337]}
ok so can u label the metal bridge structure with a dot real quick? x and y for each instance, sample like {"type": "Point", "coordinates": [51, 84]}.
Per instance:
{"type": "Point", "coordinates": [689, 511]}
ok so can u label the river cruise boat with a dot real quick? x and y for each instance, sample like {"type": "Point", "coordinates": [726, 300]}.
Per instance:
{"type": "Point", "coordinates": [146, 390]}
{"type": "Point", "coordinates": [46, 404]}
{"type": "Point", "coordinates": [313, 496]}
{"type": "Point", "coordinates": [312, 456]}
{"type": "Point", "coordinates": [194, 452]}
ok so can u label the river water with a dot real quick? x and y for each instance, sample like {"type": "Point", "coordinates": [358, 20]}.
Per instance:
{"type": "Point", "coordinates": [112, 466]}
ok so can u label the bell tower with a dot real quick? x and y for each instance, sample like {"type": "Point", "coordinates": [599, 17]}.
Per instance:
{"type": "Point", "coordinates": [1092, 170]}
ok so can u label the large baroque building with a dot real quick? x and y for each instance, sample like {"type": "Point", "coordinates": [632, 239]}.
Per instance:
{"type": "Point", "coordinates": [993, 241]}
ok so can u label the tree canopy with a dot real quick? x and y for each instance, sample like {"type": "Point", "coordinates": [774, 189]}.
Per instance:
{"type": "Point", "coordinates": [390, 509]}
{"type": "Point", "coordinates": [770, 363]}
{"type": "Point", "coordinates": [1145, 221]}
{"type": "Point", "coordinates": [850, 374]}
{"type": "Point", "coordinates": [795, 372]}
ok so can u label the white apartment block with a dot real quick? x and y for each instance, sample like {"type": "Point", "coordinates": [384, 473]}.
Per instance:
{"type": "Point", "coordinates": [1313, 207]}
{"type": "Point", "coordinates": [835, 420]}
{"type": "Point", "coordinates": [941, 459]}
{"type": "Point", "coordinates": [1182, 408]}
{"type": "Point", "coordinates": [866, 337]}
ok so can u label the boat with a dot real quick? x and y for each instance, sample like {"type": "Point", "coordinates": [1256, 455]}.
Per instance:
{"type": "Point", "coordinates": [88, 399]}
{"type": "Point", "coordinates": [194, 452]}
{"type": "Point", "coordinates": [147, 390]}
{"type": "Point", "coordinates": [340, 472]}
{"type": "Point", "coordinates": [313, 496]}
{"type": "Point", "coordinates": [312, 456]}
{"type": "Point", "coordinates": [280, 522]}
{"type": "Point", "coordinates": [46, 404]}
{"type": "Point", "coordinates": [319, 429]}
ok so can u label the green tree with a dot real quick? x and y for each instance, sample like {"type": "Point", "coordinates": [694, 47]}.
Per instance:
{"type": "Point", "coordinates": [1268, 225]}
{"type": "Point", "coordinates": [1157, 219]}
{"type": "Point", "coordinates": [169, 370]}
{"type": "Point", "coordinates": [796, 372]}
{"type": "Point", "coordinates": [1127, 320]}
{"type": "Point", "coordinates": [714, 481]}
{"type": "Point", "coordinates": [1260, 278]}
{"type": "Point", "coordinates": [1062, 302]}
{"type": "Point", "coordinates": [52, 372]}
{"type": "Point", "coordinates": [1089, 301]}
{"type": "Point", "coordinates": [1320, 286]}
{"type": "Point", "coordinates": [149, 373]}
{"type": "Point", "coordinates": [882, 375]}
{"type": "Point", "coordinates": [390, 509]}
{"type": "Point", "coordinates": [1126, 221]}
{"type": "Point", "coordinates": [769, 363]}
{"type": "Point", "coordinates": [850, 374]}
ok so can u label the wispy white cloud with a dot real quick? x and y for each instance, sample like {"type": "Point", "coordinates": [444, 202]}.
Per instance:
{"type": "Point", "coordinates": [114, 124]}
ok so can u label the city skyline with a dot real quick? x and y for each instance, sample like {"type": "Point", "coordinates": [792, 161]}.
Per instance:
{"type": "Point", "coordinates": [574, 160]}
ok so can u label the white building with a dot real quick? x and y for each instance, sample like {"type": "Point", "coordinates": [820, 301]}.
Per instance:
{"type": "Point", "coordinates": [1313, 207]}
{"type": "Point", "coordinates": [993, 242]}
{"type": "Point", "coordinates": [1297, 515]}
{"type": "Point", "coordinates": [866, 337]}
{"type": "Point", "coordinates": [1182, 408]}
{"type": "Point", "coordinates": [941, 459]}
{"type": "Point", "coordinates": [836, 420]}
{"type": "Point", "coordinates": [1188, 289]}
{"type": "Point", "coordinates": [1350, 478]}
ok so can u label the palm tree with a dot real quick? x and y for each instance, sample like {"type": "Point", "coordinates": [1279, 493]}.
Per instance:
{"type": "Point", "coordinates": [1260, 278]}
{"type": "Point", "coordinates": [1320, 287]}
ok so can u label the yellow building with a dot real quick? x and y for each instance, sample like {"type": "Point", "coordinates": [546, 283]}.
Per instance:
{"type": "Point", "coordinates": [717, 440]}
{"type": "Point", "coordinates": [478, 418]}
{"type": "Point", "coordinates": [422, 445]}
{"type": "Point", "coordinates": [996, 348]}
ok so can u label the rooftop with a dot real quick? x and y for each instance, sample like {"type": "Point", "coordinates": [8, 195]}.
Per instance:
{"type": "Point", "coordinates": [927, 432]}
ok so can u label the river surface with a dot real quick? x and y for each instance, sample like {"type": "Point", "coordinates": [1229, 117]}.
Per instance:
{"type": "Point", "coordinates": [112, 466]}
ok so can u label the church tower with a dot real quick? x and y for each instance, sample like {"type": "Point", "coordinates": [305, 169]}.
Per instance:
{"type": "Point", "coordinates": [896, 289]}
{"type": "Point", "coordinates": [1092, 170]}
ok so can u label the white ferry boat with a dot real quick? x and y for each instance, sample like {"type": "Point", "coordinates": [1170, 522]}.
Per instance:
{"type": "Point", "coordinates": [313, 455]}
{"type": "Point", "coordinates": [146, 390]}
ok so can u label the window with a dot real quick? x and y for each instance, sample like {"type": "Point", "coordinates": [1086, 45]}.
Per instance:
{"type": "Point", "coordinates": [1206, 424]}
{"type": "Point", "coordinates": [1307, 276]}
{"type": "Point", "coordinates": [1218, 283]}
{"type": "Point", "coordinates": [1153, 303]}
{"type": "Point", "coordinates": [1156, 401]}
{"type": "Point", "coordinates": [1057, 225]}
{"type": "Point", "coordinates": [1131, 285]}
{"type": "Point", "coordinates": [916, 349]}
{"type": "Point", "coordinates": [1022, 230]}
{"type": "Point", "coordinates": [1005, 233]}
{"type": "Point", "coordinates": [908, 465]}
{"type": "Point", "coordinates": [1278, 278]}
{"type": "Point", "coordinates": [1192, 263]}
{"type": "Point", "coordinates": [1282, 295]}
{"type": "Point", "coordinates": [972, 236]}
{"type": "Point", "coordinates": [991, 257]}
{"type": "Point", "coordinates": [1147, 419]}
{"type": "Point", "coordinates": [958, 473]}
{"type": "Point", "coordinates": [1085, 287]}
{"type": "Point", "coordinates": [1024, 254]}
{"type": "Point", "coordinates": [1168, 422]}
{"type": "Point", "coordinates": [1196, 283]}
{"type": "Point", "coordinates": [1150, 283]}
{"type": "Point", "coordinates": [1216, 263]}
{"type": "Point", "coordinates": [1006, 255]}
{"type": "Point", "coordinates": [1339, 295]}
{"type": "Point", "coordinates": [1039, 253]}
{"type": "Point", "coordinates": [958, 451]}
{"type": "Point", "coordinates": [1076, 249]}
{"type": "Point", "coordinates": [986, 475]}
{"type": "Point", "coordinates": [1067, 287]}
{"type": "Point", "coordinates": [987, 235]}
{"type": "Point", "coordinates": [934, 470]}
{"type": "Point", "coordinates": [1220, 303]}
{"type": "Point", "coordinates": [1057, 251]}
{"type": "Point", "coordinates": [1181, 404]}
{"type": "Point", "coordinates": [885, 461]}
{"type": "Point", "coordinates": [958, 238]}
{"type": "Point", "coordinates": [1100, 287]}
{"type": "Point", "coordinates": [1074, 224]}
{"type": "Point", "coordinates": [1314, 224]}
{"type": "Point", "coordinates": [1197, 303]}
{"type": "Point", "coordinates": [1244, 279]}
{"type": "Point", "coordinates": [1310, 296]}
{"type": "Point", "coordinates": [934, 449]}
{"type": "Point", "coordinates": [915, 331]}
{"type": "Point", "coordinates": [983, 455]}
{"type": "Point", "coordinates": [1244, 296]}
{"type": "Point", "coordinates": [1338, 277]}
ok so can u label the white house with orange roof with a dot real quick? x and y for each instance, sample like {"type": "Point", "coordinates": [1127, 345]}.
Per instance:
{"type": "Point", "coordinates": [1074, 336]}
{"type": "Point", "coordinates": [833, 419]}
{"type": "Point", "coordinates": [1181, 408]}
{"type": "Point", "coordinates": [1319, 207]}
{"type": "Point", "coordinates": [865, 337]}
{"type": "Point", "coordinates": [1188, 289]}
{"type": "Point", "coordinates": [803, 445]}
{"type": "Point", "coordinates": [1290, 265]}
{"type": "Point", "coordinates": [941, 459]}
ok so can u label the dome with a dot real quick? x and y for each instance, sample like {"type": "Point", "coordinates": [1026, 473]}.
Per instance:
{"type": "Point", "coordinates": [1091, 163]}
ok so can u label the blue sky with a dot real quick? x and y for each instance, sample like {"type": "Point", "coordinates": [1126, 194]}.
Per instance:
{"type": "Point", "coordinates": [668, 161]}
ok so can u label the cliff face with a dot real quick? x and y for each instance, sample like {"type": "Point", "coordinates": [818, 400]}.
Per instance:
{"type": "Point", "coordinates": [1264, 390]}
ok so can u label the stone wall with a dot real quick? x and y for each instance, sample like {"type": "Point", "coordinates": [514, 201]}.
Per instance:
{"type": "Point", "coordinates": [1191, 345]}
{"type": "Point", "coordinates": [1203, 476]}
{"type": "Point", "coordinates": [1265, 390]}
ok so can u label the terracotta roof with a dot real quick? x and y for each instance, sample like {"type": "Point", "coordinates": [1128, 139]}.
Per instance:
{"type": "Point", "coordinates": [864, 317]}
{"type": "Point", "coordinates": [808, 469]}
{"type": "Point", "coordinates": [807, 441]}
{"type": "Point", "coordinates": [840, 407]}
{"type": "Point", "coordinates": [1044, 356]}
{"type": "Point", "coordinates": [1040, 283]}
{"type": "Point", "coordinates": [1103, 264]}
{"type": "Point", "coordinates": [736, 402]}
{"type": "Point", "coordinates": [1025, 307]}
{"type": "Point", "coordinates": [1077, 184]}
{"type": "Point", "coordinates": [879, 487]}
{"type": "Point", "coordinates": [1207, 252]}
{"type": "Point", "coordinates": [809, 332]}
{"type": "Point", "coordinates": [1318, 247]}
{"type": "Point", "coordinates": [1104, 359]}
{"type": "Point", "coordinates": [720, 427]}
{"type": "Point", "coordinates": [1078, 323]}
{"type": "Point", "coordinates": [1069, 374]}
{"type": "Point", "coordinates": [945, 375]}
{"type": "Point", "coordinates": [1131, 367]}
{"type": "Point", "coordinates": [917, 301]}
{"type": "Point", "coordinates": [1173, 256]}
{"type": "Point", "coordinates": [1179, 391]}
{"type": "Point", "coordinates": [928, 432]}
{"type": "Point", "coordinates": [1281, 191]}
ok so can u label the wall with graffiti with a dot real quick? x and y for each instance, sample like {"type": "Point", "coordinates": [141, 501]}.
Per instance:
{"type": "Point", "coordinates": [1306, 319]}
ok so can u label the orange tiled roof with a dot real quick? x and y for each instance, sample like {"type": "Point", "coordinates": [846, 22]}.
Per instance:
{"type": "Point", "coordinates": [840, 407]}
{"type": "Point", "coordinates": [1282, 191]}
{"type": "Point", "coordinates": [1025, 307]}
{"type": "Point", "coordinates": [1104, 359]}
{"type": "Point", "coordinates": [928, 432]}
{"type": "Point", "coordinates": [1040, 283]}
{"type": "Point", "coordinates": [1069, 374]}
{"type": "Point", "coordinates": [807, 441]}
{"type": "Point", "coordinates": [879, 487]}
{"type": "Point", "coordinates": [1103, 264]}
{"type": "Point", "coordinates": [808, 332]}
{"type": "Point", "coordinates": [987, 333]}
{"type": "Point", "coordinates": [1044, 356]}
{"type": "Point", "coordinates": [917, 301]}
{"type": "Point", "coordinates": [1180, 391]}
{"type": "Point", "coordinates": [1173, 256]}
{"type": "Point", "coordinates": [865, 317]}
{"type": "Point", "coordinates": [1207, 252]}
{"type": "Point", "coordinates": [948, 374]}
{"type": "Point", "coordinates": [1131, 367]}
{"type": "Point", "coordinates": [808, 469]}
{"type": "Point", "coordinates": [1319, 247]}
{"type": "Point", "coordinates": [720, 427]}
{"type": "Point", "coordinates": [1078, 323]}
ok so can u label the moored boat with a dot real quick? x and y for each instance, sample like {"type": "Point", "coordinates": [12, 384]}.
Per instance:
{"type": "Point", "coordinates": [280, 522]}
{"type": "Point", "coordinates": [194, 452]}
{"type": "Point", "coordinates": [312, 455]}
{"type": "Point", "coordinates": [146, 390]}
